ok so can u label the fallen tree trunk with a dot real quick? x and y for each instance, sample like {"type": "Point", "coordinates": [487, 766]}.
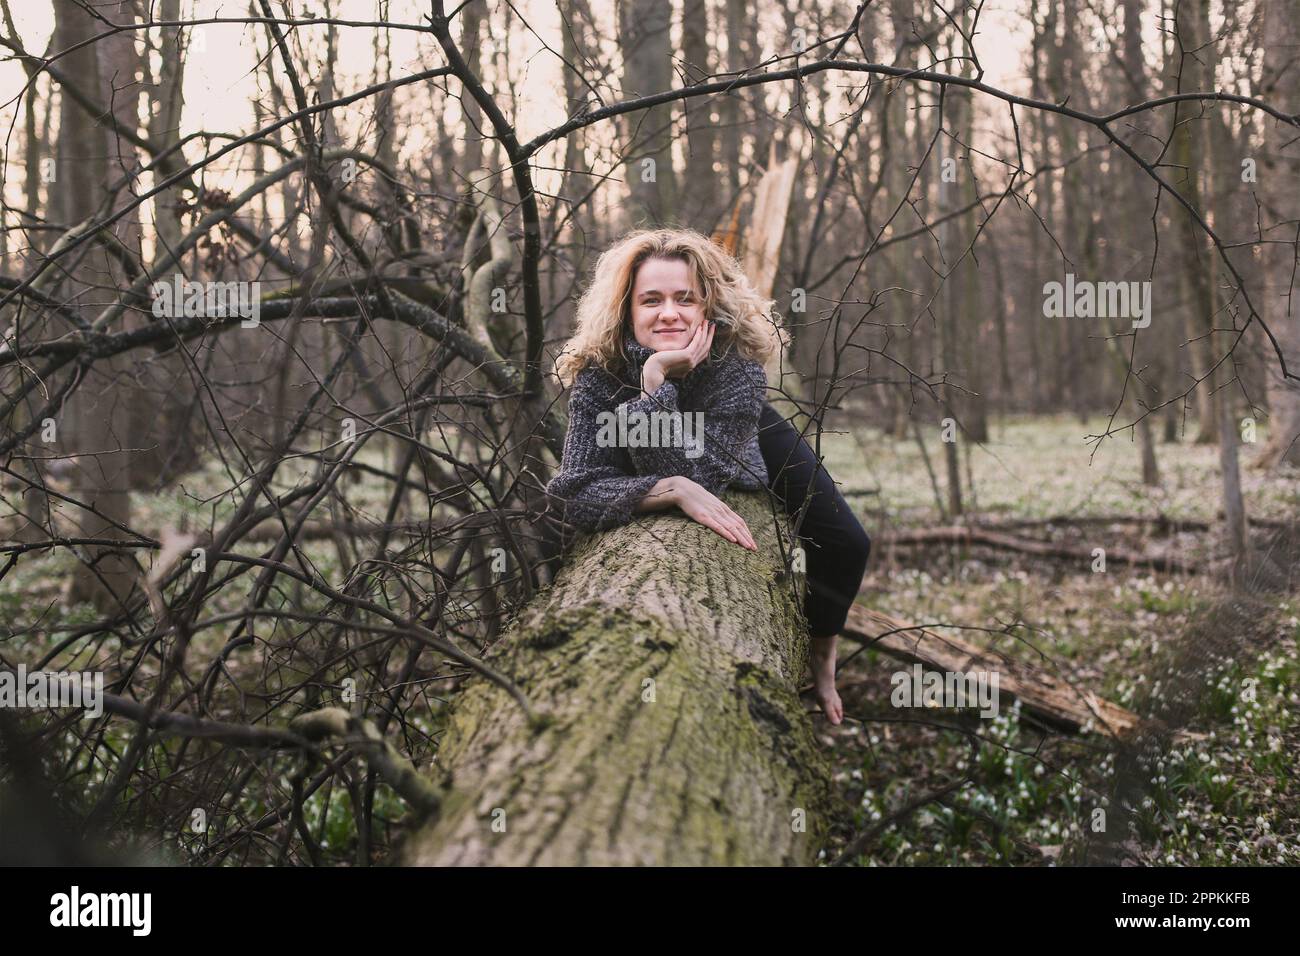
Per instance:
{"type": "Point", "coordinates": [969, 535]}
{"type": "Point", "coordinates": [1162, 523]}
{"type": "Point", "coordinates": [667, 660]}
{"type": "Point", "coordinates": [1043, 694]}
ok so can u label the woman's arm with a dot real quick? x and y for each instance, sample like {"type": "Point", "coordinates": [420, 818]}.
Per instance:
{"type": "Point", "coordinates": [595, 491]}
{"type": "Point", "coordinates": [707, 446]}
{"type": "Point", "coordinates": [698, 504]}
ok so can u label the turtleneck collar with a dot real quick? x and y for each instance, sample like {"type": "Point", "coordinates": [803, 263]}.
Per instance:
{"type": "Point", "coordinates": [634, 351]}
{"type": "Point", "coordinates": [636, 355]}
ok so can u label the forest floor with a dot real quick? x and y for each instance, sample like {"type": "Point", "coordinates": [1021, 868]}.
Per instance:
{"type": "Point", "coordinates": [1180, 646]}
{"type": "Point", "coordinates": [1220, 667]}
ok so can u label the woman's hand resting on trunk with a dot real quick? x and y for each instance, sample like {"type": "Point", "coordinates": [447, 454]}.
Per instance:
{"type": "Point", "coordinates": [698, 504]}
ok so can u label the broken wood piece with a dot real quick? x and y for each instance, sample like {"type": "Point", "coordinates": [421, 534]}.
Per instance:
{"type": "Point", "coordinates": [1043, 694]}
{"type": "Point", "coordinates": [963, 534]}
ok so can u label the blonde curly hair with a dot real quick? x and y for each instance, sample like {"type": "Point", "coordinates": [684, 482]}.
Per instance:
{"type": "Point", "coordinates": [744, 318]}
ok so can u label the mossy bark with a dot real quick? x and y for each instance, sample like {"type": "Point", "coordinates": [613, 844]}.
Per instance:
{"type": "Point", "coordinates": [668, 660]}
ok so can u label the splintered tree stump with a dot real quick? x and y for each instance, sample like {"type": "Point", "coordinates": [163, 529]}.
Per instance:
{"type": "Point", "coordinates": [668, 660]}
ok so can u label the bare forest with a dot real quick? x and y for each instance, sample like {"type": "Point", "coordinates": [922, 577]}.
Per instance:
{"type": "Point", "coordinates": [282, 289]}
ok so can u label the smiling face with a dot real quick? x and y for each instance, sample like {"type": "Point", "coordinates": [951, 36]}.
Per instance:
{"type": "Point", "coordinates": [666, 308]}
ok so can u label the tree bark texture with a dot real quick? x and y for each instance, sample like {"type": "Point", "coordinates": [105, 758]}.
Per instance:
{"type": "Point", "coordinates": [668, 661]}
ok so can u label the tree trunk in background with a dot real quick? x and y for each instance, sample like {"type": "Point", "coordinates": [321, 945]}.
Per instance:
{"type": "Point", "coordinates": [729, 111]}
{"type": "Point", "coordinates": [1048, 206]}
{"type": "Point", "coordinates": [96, 422]}
{"type": "Point", "coordinates": [1077, 210]}
{"type": "Point", "coordinates": [1279, 172]}
{"type": "Point", "coordinates": [471, 40]}
{"type": "Point", "coordinates": [895, 151]}
{"type": "Point", "coordinates": [34, 505]}
{"type": "Point", "coordinates": [165, 419]}
{"type": "Point", "coordinates": [1132, 84]}
{"type": "Point", "coordinates": [167, 102]}
{"type": "Point", "coordinates": [1193, 156]}
{"type": "Point", "coordinates": [669, 660]}
{"type": "Point", "coordinates": [1040, 192]}
{"type": "Point", "coordinates": [701, 198]}
{"type": "Point", "coordinates": [1235, 528]}
{"type": "Point", "coordinates": [575, 182]}
{"type": "Point", "coordinates": [1006, 382]}
{"type": "Point", "coordinates": [967, 296]}
{"type": "Point", "coordinates": [1238, 135]}
{"type": "Point", "coordinates": [949, 303]}
{"type": "Point", "coordinates": [1189, 150]}
{"type": "Point", "coordinates": [1165, 336]}
{"type": "Point", "coordinates": [326, 88]}
{"type": "Point", "coordinates": [33, 143]}
{"type": "Point", "coordinates": [761, 120]}
{"type": "Point", "coordinates": [33, 151]}
{"type": "Point", "coordinates": [647, 68]}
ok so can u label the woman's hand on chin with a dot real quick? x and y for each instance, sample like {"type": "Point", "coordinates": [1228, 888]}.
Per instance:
{"type": "Point", "coordinates": [676, 363]}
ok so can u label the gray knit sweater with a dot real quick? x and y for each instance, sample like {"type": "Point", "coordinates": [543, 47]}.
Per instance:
{"type": "Point", "coordinates": [607, 467]}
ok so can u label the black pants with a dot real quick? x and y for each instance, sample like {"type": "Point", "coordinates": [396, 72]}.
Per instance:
{"type": "Point", "coordinates": [835, 545]}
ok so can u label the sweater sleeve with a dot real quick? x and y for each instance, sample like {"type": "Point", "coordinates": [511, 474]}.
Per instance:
{"type": "Point", "coordinates": [707, 446]}
{"type": "Point", "coordinates": [596, 493]}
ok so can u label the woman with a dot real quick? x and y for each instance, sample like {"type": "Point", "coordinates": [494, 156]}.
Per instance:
{"type": "Point", "coordinates": [671, 333]}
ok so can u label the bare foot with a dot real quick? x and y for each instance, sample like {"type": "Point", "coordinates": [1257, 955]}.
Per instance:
{"type": "Point", "coordinates": [828, 697]}
{"type": "Point", "coordinates": [822, 658]}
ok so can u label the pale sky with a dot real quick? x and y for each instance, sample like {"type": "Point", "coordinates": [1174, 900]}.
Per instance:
{"type": "Point", "coordinates": [220, 80]}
